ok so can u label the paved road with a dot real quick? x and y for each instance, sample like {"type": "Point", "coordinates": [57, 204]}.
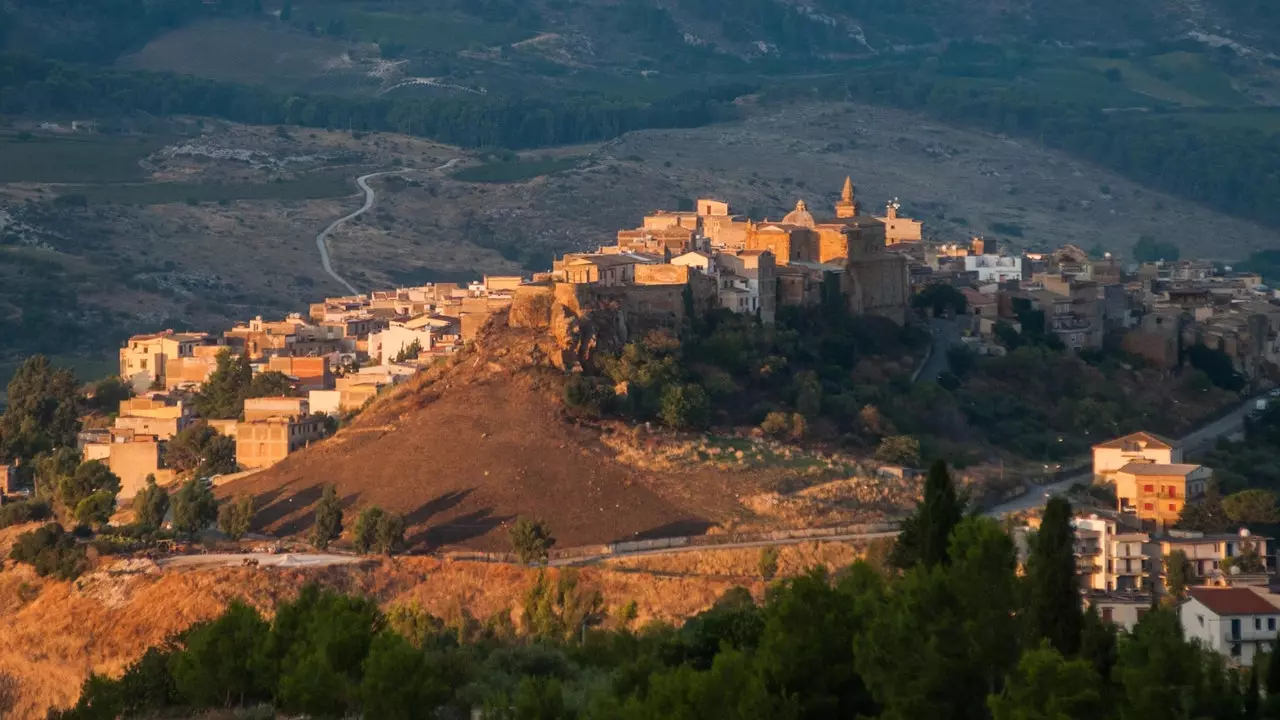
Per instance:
{"type": "Point", "coordinates": [1198, 439]}
{"type": "Point", "coordinates": [594, 559]}
{"type": "Point", "coordinates": [284, 560]}
{"type": "Point", "coordinates": [322, 240]}
{"type": "Point", "coordinates": [944, 334]}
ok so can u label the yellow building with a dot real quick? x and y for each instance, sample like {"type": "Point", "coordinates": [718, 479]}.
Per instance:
{"type": "Point", "coordinates": [265, 442]}
{"type": "Point", "coordinates": [1110, 456]}
{"type": "Point", "coordinates": [144, 357]}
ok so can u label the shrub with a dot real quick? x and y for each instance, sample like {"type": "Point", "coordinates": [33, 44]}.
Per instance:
{"type": "Point", "coordinates": [768, 562]}
{"type": "Point", "coordinates": [589, 395]}
{"type": "Point", "coordinates": [151, 504]}
{"type": "Point", "coordinates": [899, 450]}
{"type": "Point", "coordinates": [685, 406]}
{"type": "Point", "coordinates": [17, 513]}
{"type": "Point", "coordinates": [194, 508]}
{"type": "Point", "coordinates": [235, 517]}
{"type": "Point", "coordinates": [776, 424]}
{"type": "Point", "coordinates": [531, 541]}
{"type": "Point", "coordinates": [377, 530]}
{"type": "Point", "coordinates": [51, 551]}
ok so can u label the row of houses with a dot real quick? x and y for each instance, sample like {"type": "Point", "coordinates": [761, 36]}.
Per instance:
{"type": "Point", "coordinates": [337, 358]}
{"type": "Point", "coordinates": [1152, 310]}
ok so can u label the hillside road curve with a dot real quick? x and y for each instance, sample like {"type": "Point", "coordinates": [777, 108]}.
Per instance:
{"type": "Point", "coordinates": [322, 240]}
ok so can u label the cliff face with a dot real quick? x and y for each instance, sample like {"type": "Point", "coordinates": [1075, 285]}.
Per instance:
{"type": "Point", "coordinates": [578, 327]}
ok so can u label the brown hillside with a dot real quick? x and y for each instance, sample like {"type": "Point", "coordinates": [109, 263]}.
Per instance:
{"type": "Point", "coordinates": [467, 447]}
{"type": "Point", "coordinates": [56, 632]}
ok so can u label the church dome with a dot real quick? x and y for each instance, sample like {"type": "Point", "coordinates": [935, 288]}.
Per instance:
{"type": "Point", "coordinates": [800, 216]}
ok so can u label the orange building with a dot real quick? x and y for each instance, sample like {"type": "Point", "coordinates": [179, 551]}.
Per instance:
{"type": "Point", "coordinates": [1157, 492]}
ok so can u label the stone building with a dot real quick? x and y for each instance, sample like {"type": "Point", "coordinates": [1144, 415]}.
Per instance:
{"type": "Point", "coordinates": [873, 281]}
{"type": "Point", "coordinates": [143, 358]}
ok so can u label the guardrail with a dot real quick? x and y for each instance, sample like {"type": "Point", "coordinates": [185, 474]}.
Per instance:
{"type": "Point", "coordinates": [627, 547]}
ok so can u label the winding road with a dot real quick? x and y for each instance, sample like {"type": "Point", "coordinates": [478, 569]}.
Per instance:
{"type": "Point", "coordinates": [322, 240]}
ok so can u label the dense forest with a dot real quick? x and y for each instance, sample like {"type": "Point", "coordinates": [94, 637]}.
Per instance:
{"type": "Point", "coordinates": [941, 625]}
{"type": "Point", "coordinates": [31, 85]}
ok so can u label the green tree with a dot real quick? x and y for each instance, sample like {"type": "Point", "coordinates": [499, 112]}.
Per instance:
{"type": "Point", "coordinates": [1272, 681]}
{"type": "Point", "coordinates": [685, 406]}
{"type": "Point", "coordinates": [235, 516]}
{"type": "Point", "coordinates": [52, 468]}
{"type": "Point", "coordinates": [150, 504]}
{"type": "Point", "coordinates": [1251, 506]}
{"type": "Point", "coordinates": [107, 394]}
{"type": "Point", "coordinates": [397, 684]}
{"type": "Point", "coordinates": [42, 412]}
{"type": "Point", "coordinates": [806, 645]}
{"type": "Point", "coordinates": [96, 510]}
{"type": "Point", "coordinates": [270, 384]}
{"type": "Point", "coordinates": [729, 690]}
{"type": "Point", "coordinates": [562, 608]}
{"type": "Point", "coordinates": [1047, 686]}
{"type": "Point", "coordinates": [1098, 647]}
{"type": "Point", "coordinates": [1054, 590]}
{"type": "Point", "coordinates": [222, 663]}
{"type": "Point", "coordinates": [319, 643]}
{"type": "Point", "coordinates": [201, 450]}
{"type": "Point", "coordinates": [1206, 515]}
{"type": "Point", "coordinates": [926, 533]}
{"type": "Point", "coordinates": [219, 458]}
{"type": "Point", "coordinates": [377, 530]}
{"type": "Point", "coordinates": [531, 540]}
{"type": "Point", "coordinates": [51, 551]}
{"type": "Point", "coordinates": [1248, 559]}
{"type": "Point", "coordinates": [194, 508]}
{"type": "Point", "coordinates": [1157, 671]}
{"type": "Point", "coordinates": [390, 533]}
{"type": "Point", "coordinates": [328, 526]}
{"type": "Point", "coordinates": [768, 564]}
{"type": "Point", "coordinates": [222, 395]}
{"type": "Point", "coordinates": [409, 352]}
{"type": "Point", "coordinates": [1178, 574]}
{"type": "Point", "coordinates": [945, 635]}
{"type": "Point", "coordinates": [938, 298]}
{"type": "Point", "coordinates": [93, 479]}
{"type": "Point", "coordinates": [899, 450]}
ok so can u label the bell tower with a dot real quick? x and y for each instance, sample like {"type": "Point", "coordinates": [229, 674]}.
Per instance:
{"type": "Point", "coordinates": [848, 206]}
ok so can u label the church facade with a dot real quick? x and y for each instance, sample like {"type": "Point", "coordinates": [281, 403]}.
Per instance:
{"type": "Point", "coordinates": [874, 281]}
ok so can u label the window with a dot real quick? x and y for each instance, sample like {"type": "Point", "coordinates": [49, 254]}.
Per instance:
{"type": "Point", "coordinates": [1106, 614]}
{"type": "Point", "coordinates": [1201, 619]}
{"type": "Point", "coordinates": [1235, 650]}
{"type": "Point", "coordinates": [1148, 506]}
{"type": "Point", "coordinates": [1173, 507]}
{"type": "Point", "coordinates": [1271, 623]}
{"type": "Point", "coordinates": [1149, 488]}
{"type": "Point", "coordinates": [1173, 491]}
{"type": "Point", "coordinates": [1257, 623]}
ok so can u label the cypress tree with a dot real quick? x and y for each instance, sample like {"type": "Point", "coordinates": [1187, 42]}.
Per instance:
{"type": "Point", "coordinates": [940, 512]}
{"type": "Point", "coordinates": [1055, 612]}
{"type": "Point", "coordinates": [1273, 672]}
{"type": "Point", "coordinates": [926, 534]}
{"type": "Point", "coordinates": [328, 519]}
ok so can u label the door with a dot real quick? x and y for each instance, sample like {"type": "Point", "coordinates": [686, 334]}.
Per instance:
{"type": "Point", "coordinates": [1235, 628]}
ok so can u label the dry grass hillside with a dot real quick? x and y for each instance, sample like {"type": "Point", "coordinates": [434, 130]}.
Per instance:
{"type": "Point", "coordinates": [56, 633]}
{"type": "Point", "coordinates": [481, 439]}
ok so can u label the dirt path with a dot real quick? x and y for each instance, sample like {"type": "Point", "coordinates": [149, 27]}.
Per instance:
{"type": "Point", "coordinates": [322, 240]}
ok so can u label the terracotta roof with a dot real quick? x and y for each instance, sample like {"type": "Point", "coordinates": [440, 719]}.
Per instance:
{"type": "Point", "coordinates": [1233, 601]}
{"type": "Point", "coordinates": [1138, 439]}
{"type": "Point", "coordinates": [1145, 468]}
